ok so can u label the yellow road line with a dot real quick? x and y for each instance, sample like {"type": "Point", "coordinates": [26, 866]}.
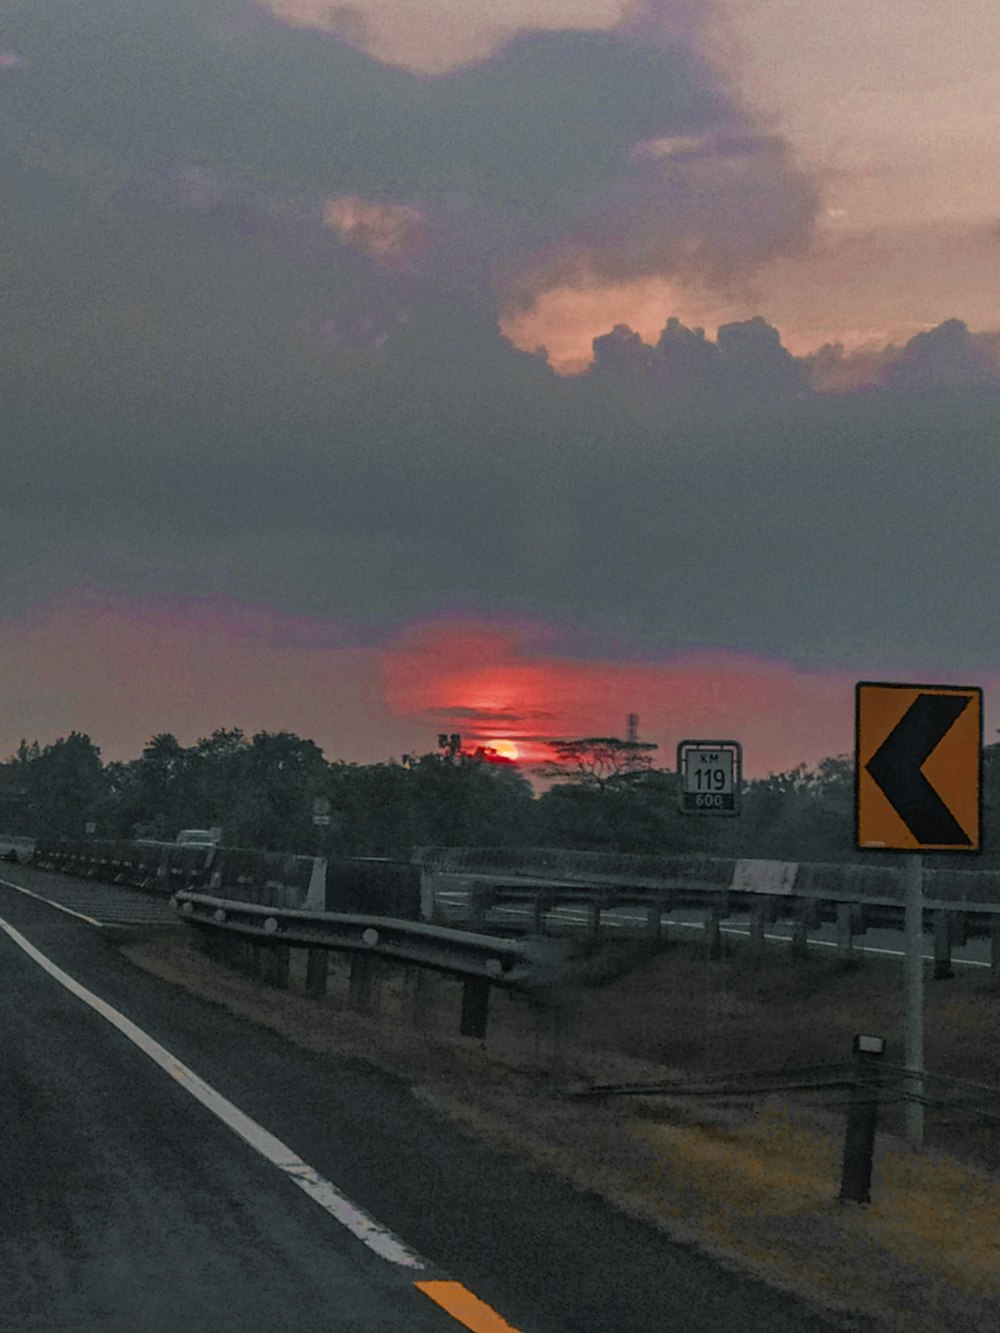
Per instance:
{"type": "Point", "coordinates": [468, 1309]}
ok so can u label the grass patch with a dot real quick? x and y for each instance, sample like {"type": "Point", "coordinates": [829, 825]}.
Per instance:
{"type": "Point", "coordinates": [754, 1186]}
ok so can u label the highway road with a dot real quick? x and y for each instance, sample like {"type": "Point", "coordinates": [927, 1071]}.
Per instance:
{"type": "Point", "coordinates": [171, 1167]}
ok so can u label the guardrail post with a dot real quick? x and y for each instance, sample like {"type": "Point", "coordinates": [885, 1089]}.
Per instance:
{"type": "Point", "coordinates": [255, 959]}
{"type": "Point", "coordinates": [713, 935]}
{"type": "Point", "coordinates": [317, 972]}
{"type": "Point", "coordinates": [995, 951]}
{"type": "Point", "coordinates": [859, 923]}
{"type": "Point", "coordinates": [208, 942]}
{"type": "Point", "coordinates": [959, 929]}
{"type": "Point", "coordinates": [475, 1007]}
{"type": "Point", "coordinates": [654, 914]}
{"type": "Point", "coordinates": [862, 1119]}
{"type": "Point", "coordinates": [539, 907]}
{"type": "Point", "coordinates": [594, 920]}
{"type": "Point", "coordinates": [231, 949]}
{"type": "Point", "coordinates": [942, 947]}
{"type": "Point", "coordinates": [800, 933]}
{"type": "Point", "coordinates": [362, 985]}
{"type": "Point", "coordinates": [416, 995]}
{"type": "Point", "coordinates": [275, 965]}
{"type": "Point", "coordinates": [479, 902]}
{"type": "Point", "coordinates": [758, 918]}
{"type": "Point", "coordinates": [845, 933]}
{"type": "Point", "coordinates": [554, 1017]}
{"type": "Point", "coordinates": [244, 956]}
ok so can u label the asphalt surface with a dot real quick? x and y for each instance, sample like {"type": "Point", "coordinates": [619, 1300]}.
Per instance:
{"type": "Point", "coordinates": [127, 1205]}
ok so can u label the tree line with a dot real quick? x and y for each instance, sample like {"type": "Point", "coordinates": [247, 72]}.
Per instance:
{"type": "Point", "coordinates": [602, 794]}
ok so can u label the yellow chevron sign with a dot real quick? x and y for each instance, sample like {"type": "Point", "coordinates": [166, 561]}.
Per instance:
{"type": "Point", "coordinates": [918, 778]}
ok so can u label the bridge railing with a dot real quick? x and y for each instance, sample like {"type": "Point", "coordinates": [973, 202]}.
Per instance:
{"type": "Point", "coordinates": [522, 890]}
{"type": "Point", "coordinates": [845, 881]}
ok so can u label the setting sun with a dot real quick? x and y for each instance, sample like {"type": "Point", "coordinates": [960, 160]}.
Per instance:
{"type": "Point", "coordinates": [505, 749]}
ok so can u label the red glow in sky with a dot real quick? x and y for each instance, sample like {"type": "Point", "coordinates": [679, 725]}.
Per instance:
{"type": "Point", "coordinates": [480, 682]}
{"type": "Point", "coordinates": [122, 673]}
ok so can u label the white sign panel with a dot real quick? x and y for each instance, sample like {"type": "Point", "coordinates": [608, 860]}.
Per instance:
{"type": "Point", "coordinates": [764, 876]}
{"type": "Point", "coordinates": [708, 775]}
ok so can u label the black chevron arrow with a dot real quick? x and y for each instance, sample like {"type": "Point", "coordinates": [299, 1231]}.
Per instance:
{"type": "Point", "coordinates": [896, 765]}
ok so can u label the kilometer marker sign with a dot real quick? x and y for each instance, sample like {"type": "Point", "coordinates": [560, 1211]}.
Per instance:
{"type": "Point", "coordinates": [709, 777]}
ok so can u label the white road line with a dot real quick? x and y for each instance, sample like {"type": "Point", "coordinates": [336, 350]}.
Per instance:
{"type": "Point", "coordinates": [859, 948]}
{"type": "Point", "coordinates": [355, 1219]}
{"type": "Point", "coordinates": [59, 906]}
{"type": "Point", "coordinates": [115, 913]}
{"type": "Point", "coordinates": [828, 944]}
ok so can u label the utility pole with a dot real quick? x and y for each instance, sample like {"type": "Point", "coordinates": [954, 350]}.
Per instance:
{"type": "Point", "coordinates": [632, 739]}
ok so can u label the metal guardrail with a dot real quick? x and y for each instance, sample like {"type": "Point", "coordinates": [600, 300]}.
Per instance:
{"type": "Point", "coordinates": [263, 936]}
{"type": "Point", "coordinates": [515, 963]}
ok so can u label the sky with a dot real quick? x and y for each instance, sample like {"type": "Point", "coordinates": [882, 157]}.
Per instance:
{"type": "Point", "coordinates": [385, 369]}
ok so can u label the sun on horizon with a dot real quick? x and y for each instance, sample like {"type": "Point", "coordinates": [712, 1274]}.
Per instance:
{"type": "Point", "coordinates": [506, 749]}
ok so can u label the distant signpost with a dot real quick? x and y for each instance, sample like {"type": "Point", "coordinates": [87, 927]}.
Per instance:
{"type": "Point", "coordinates": [709, 774]}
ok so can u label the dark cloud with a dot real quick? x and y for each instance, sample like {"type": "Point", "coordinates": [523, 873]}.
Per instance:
{"type": "Point", "coordinates": [948, 357]}
{"type": "Point", "coordinates": [550, 161]}
{"type": "Point", "coordinates": [746, 363]}
{"type": "Point", "coordinates": [715, 211]}
{"type": "Point", "coordinates": [212, 387]}
{"type": "Point", "coordinates": [819, 527]}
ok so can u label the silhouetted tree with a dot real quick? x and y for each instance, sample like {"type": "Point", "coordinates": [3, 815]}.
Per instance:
{"type": "Point", "coordinates": [65, 785]}
{"type": "Point", "coordinates": [596, 761]}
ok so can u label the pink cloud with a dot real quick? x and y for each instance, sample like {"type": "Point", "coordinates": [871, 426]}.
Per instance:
{"type": "Point", "coordinates": [392, 234]}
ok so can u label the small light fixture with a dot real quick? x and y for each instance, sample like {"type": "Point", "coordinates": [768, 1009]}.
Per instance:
{"type": "Point", "coordinates": [869, 1045]}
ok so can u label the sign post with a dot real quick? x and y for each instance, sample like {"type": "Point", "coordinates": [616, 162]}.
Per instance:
{"type": "Point", "coordinates": [709, 775]}
{"type": "Point", "coordinates": [913, 982]}
{"type": "Point", "coordinates": [918, 785]}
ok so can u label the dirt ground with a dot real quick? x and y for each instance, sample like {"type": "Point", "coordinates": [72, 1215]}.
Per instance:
{"type": "Point", "coordinates": [755, 1183]}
